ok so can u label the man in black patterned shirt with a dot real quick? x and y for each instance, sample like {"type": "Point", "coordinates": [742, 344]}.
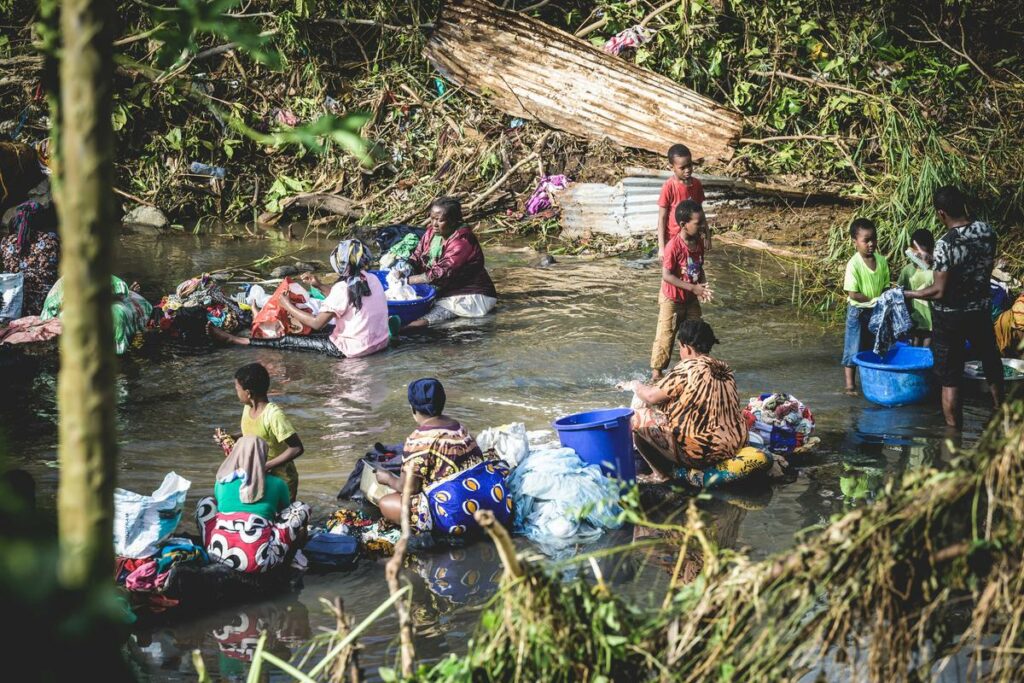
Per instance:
{"type": "Point", "coordinates": [961, 301]}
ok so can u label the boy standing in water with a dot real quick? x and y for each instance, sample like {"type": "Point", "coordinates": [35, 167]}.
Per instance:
{"type": "Point", "coordinates": [867, 276]}
{"type": "Point", "coordinates": [916, 275]}
{"type": "Point", "coordinates": [683, 284]}
{"type": "Point", "coordinates": [678, 188]}
{"type": "Point", "coordinates": [267, 421]}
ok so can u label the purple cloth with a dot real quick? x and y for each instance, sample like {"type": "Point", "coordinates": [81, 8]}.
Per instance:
{"type": "Point", "coordinates": [541, 197]}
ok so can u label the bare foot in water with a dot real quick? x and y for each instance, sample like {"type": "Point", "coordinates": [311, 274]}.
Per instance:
{"type": "Point", "coordinates": [778, 470]}
{"type": "Point", "coordinates": [219, 335]}
{"type": "Point", "coordinates": [851, 391]}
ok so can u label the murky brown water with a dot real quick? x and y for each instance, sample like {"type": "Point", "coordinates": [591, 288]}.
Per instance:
{"type": "Point", "coordinates": [561, 338]}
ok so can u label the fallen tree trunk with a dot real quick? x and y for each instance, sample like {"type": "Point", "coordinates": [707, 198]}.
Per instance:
{"type": "Point", "coordinates": [532, 70]}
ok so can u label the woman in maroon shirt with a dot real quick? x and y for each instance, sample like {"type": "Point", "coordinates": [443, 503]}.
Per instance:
{"type": "Point", "coordinates": [449, 257]}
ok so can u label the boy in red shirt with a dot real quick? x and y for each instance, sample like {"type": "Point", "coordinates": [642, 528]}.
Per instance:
{"type": "Point", "coordinates": [680, 187]}
{"type": "Point", "coordinates": [683, 283]}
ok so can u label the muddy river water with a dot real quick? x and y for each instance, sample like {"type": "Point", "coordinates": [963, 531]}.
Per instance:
{"type": "Point", "coordinates": [562, 337]}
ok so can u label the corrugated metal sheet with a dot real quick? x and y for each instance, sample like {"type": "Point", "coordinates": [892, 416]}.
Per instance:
{"type": "Point", "coordinates": [532, 70]}
{"type": "Point", "coordinates": [631, 206]}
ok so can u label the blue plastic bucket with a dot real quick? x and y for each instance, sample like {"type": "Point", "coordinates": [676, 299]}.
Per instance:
{"type": "Point", "coordinates": [414, 309]}
{"type": "Point", "coordinates": [332, 551]}
{"type": "Point", "coordinates": [904, 376]}
{"type": "Point", "coordinates": [601, 437]}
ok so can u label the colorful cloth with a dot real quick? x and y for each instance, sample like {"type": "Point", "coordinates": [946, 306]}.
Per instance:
{"type": "Point", "coordinates": [177, 315]}
{"type": "Point", "coordinates": [675, 191]}
{"type": "Point", "coordinates": [779, 423]}
{"type": "Point", "coordinates": [435, 453]}
{"type": "Point", "coordinates": [276, 497]}
{"type": "Point", "coordinates": [967, 255]}
{"type": "Point", "coordinates": [889, 321]}
{"type": "Point", "coordinates": [249, 543]}
{"type": "Point", "coordinates": [634, 36]}
{"type": "Point", "coordinates": [182, 552]}
{"type": "Point", "coordinates": [273, 427]}
{"type": "Point", "coordinates": [1009, 329]}
{"type": "Point", "coordinates": [30, 329]}
{"type": "Point", "coordinates": [453, 502]}
{"type": "Point", "coordinates": [541, 197]}
{"type": "Point", "coordinates": [34, 253]}
{"type": "Point", "coordinates": [129, 310]}
{"type": "Point", "coordinates": [871, 283]}
{"type": "Point", "coordinates": [748, 461]}
{"type": "Point", "coordinates": [246, 463]}
{"type": "Point", "coordinates": [701, 423]}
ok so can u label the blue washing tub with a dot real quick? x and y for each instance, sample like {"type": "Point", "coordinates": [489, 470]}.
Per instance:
{"type": "Point", "coordinates": [409, 310]}
{"type": "Point", "coordinates": [601, 437]}
{"type": "Point", "coordinates": [904, 376]}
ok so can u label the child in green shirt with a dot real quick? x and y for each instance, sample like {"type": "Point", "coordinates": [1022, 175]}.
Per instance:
{"type": "Point", "coordinates": [916, 275]}
{"type": "Point", "coordinates": [867, 276]}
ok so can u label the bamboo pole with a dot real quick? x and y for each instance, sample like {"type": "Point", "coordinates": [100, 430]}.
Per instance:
{"type": "Point", "coordinates": [85, 171]}
{"type": "Point", "coordinates": [394, 565]}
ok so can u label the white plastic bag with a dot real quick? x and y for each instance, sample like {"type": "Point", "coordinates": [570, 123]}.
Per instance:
{"type": "Point", "coordinates": [509, 441]}
{"type": "Point", "coordinates": [12, 295]}
{"type": "Point", "coordinates": [142, 523]}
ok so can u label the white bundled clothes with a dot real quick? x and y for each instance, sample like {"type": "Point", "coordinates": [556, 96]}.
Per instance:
{"type": "Point", "coordinates": [460, 306]}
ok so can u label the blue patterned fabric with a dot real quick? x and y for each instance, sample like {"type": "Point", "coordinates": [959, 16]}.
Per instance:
{"type": "Point", "coordinates": [454, 500]}
{"type": "Point", "coordinates": [889, 321]}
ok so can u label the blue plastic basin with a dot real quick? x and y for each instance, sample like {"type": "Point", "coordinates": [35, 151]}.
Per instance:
{"type": "Point", "coordinates": [904, 376]}
{"type": "Point", "coordinates": [332, 551]}
{"type": "Point", "coordinates": [601, 437]}
{"type": "Point", "coordinates": [414, 309]}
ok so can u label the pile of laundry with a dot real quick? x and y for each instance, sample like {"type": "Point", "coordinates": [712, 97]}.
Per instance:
{"type": "Point", "coordinates": [560, 501]}
{"type": "Point", "coordinates": [396, 243]}
{"type": "Point", "coordinates": [184, 314]}
{"type": "Point", "coordinates": [780, 423]}
{"type": "Point", "coordinates": [397, 287]}
{"type": "Point", "coordinates": [375, 537]}
{"type": "Point", "coordinates": [146, 578]}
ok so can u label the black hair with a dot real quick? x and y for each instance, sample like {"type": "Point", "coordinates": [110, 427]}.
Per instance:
{"type": "Point", "coordinates": [698, 334]}
{"type": "Point", "coordinates": [924, 238]}
{"type": "Point", "coordinates": [253, 377]}
{"type": "Point", "coordinates": [678, 152]}
{"type": "Point", "coordinates": [451, 208]}
{"type": "Point", "coordinates": [859, 224]}
{"type": "Point", "coordinates": [950, 200]}
{"type": "Point", "coordinates": [685, 210]}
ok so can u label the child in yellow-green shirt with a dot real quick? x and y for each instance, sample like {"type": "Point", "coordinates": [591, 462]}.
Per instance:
{"type": "Point", "coordinates": [918, 274]}
{"type": "Point", "coordinates": [267, 421]}
{"type": "Point", "coordinates": [867, 276]}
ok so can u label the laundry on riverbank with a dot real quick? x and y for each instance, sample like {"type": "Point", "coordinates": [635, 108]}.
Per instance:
{"type": "Point", "coordinates": [559, 501]}
{"type": "Point", "coordinates": [29, 330]}
{"type": "Point", "coordinates": [780, 423]}
{"type": "Point", "coordinates": [184, 314]}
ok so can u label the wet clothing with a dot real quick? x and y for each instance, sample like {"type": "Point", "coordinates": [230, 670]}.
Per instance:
{"type": "Point", "coordinates": [967, 254]}
{"type": "Point", "coordinates": [913, 278]}
{"type": "Point", "coordinates": [275, 498]}
{"type": "Point", "coordinates": [273, 427]}
{"type": "Point", "coordinates": [363, 329]}
{"type": "Point", "coordinates": [701, 423]}
{"type": "Point", "coordinates": [889, 320]}
{"type": "Point", "coordinates": [951, 331]}
{"type": "Point", "coordinates": [434, 453]}
{"type": "Point", "coordinates": [248, 542]}
{"type": "Point", "coordinates": [861, 279]}
{"type": "Point", "coordinates": [458, 269]}
{"type": "Point", "coordinates": [129, 310]}
{"type": "Point", "coordinates": [686, 262]}
{"type": "Point", "coordinates": [33, 251]}
{"type": "Point", "coordinates": [317, 343]}
{"type": "Point", "coordinates": [675, 191]}
{"type": "Point", "coordinates": [460, 306]}
{"type": "Point", "coordinates": [671, 315]}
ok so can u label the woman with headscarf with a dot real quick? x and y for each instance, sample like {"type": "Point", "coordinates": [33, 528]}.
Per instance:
{"type": "Point", "coordinates": [451, 477]}
{"type": "Point", "coordinates": [356, 303]}
{"type": "Point", "coordinates": [690, 425]}
{"type": "Point", "coordinates": [249, 522]}
{"type": "Point", "coordinates": [33, 249]}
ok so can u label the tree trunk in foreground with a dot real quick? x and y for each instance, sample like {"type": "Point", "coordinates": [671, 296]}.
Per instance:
{"type": "Point", "coordinates": [86, 385]}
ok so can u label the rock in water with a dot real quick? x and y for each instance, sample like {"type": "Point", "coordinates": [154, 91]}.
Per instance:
{"type": "Point", "coordinates": [304, 267]}
{"type": "Point", "coordinates": [146, 215]}
{"type": "Point", "coordinates": [546, 260]}
{"type": "Point", "coordinates": [284, 271]}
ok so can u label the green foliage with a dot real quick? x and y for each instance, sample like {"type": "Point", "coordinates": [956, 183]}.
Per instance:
{"type": "Point", "coordinates": [187, 23]}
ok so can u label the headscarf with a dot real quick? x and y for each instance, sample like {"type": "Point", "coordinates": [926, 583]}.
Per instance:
{"type": "Point", "coordinates": [248, 462]}
{"type": "Point", "coordinates": [426, 396]}
{"type": "Point", "coordinates": [349, 259]}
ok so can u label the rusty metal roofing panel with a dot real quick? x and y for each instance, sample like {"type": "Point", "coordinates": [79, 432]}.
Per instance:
{"type": "Point", "coordinates": [532, 70]}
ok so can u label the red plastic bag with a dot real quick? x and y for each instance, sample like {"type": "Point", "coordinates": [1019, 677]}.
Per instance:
{"type": "Point", "coordinates": [273, 321]}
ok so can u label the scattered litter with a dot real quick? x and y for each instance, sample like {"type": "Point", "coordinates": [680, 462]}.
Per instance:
{"type": "Point", "coordinates": [285, 117]}
{"type": "Point", "coordinates": [142, 523]}
{"type": "Point", "coordinates": [199, 168]}
{"type": "Point", "coordinates": [541, 197]}
{"type": "Point", "coordinates": [635, 36]}
{"type": "Point", "coordinates": [509, 441]}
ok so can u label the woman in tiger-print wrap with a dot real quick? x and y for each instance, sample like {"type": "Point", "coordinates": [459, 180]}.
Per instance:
{"type": "Point", "coordinates": [690, 424]}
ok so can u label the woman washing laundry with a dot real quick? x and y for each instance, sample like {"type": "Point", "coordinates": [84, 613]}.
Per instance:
{"type": "Point", "coordinates": [356, 303]}
{"type": "Point", "coordinates": [249, 522]}
{"type": "Point", "coordinates": [452, 478]}
{"type": "Point", "coordinates": [449, 257]}
{"type": "Point", "coordinates": [689, 425]}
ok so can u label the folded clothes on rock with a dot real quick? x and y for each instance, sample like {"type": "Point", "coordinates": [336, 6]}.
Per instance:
{"type": "Point", "coordinates": [560, 501]}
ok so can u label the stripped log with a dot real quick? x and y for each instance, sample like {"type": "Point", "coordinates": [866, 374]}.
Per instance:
{"type": "Point", "coordinates": [532, 70]}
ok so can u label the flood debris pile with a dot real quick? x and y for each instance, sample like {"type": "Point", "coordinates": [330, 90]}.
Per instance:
{"type": "Point", "coordinates": [892, 591]}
